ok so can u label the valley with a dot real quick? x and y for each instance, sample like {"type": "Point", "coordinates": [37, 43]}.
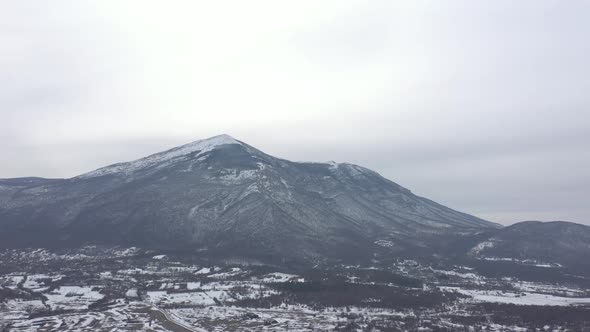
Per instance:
{"type": "Point", "coordinates": [98, 288]}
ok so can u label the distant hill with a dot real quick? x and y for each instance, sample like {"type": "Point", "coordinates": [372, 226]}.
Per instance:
{"type": "Point", "coordinates": [557, 242]}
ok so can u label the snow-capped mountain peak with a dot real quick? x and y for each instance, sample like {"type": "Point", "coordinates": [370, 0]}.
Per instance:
{"type": "Point", "coordinates": [204, 145]}
{"type": "Point", "coordinates": [161, 158]}
{"type": "Point", "coordinates": [225, 194]}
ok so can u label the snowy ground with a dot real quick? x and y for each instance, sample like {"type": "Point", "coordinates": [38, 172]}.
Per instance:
{"type": "Point", "coordinates": [112, 290]}
{"type": "Point", "coordinates": [521, 298]}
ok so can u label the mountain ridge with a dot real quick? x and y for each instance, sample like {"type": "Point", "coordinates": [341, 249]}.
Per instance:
{"type": "Point", "coordinates": [221, 194]}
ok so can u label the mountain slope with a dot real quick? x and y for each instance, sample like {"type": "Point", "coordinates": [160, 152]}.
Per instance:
{"type": "Point", "coordinates": [223, 195]}
{"type": "Point", "coordinates": [558, 242]}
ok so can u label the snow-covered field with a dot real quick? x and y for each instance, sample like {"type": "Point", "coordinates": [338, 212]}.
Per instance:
{"type": "Point", "coordinates": [73, 297]}
{"type": "Point", "coordinates": [121, 317]}
{"type": "Point", "coordinates": [210, 293]}
{"type": "Point", "coordinates": [522, 298]}
{"type": "Point", "coordinates": [111, 290]}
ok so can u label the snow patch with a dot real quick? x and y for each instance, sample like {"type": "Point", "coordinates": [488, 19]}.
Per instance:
{"type": "Point", "coordinates": [524, 298]}
{"type": "Point", "coordinates": [384, 243]}
{"type": "Point", "coordinates": [481, 246]}
{"type": "Point", "coordinates": [201, 146]}
{"type": "Point", "coordinates": [204, 270]}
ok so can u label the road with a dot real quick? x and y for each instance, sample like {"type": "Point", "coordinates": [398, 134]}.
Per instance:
{"type": "Point", "coordinates": [171, 323]}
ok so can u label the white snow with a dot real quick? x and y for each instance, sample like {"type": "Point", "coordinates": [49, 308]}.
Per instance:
{"type": "Point", "coordinates": [233, 272]}
{"type": "Point", "coordinates": [384, 243]}
{"type": "Point", "coordinates": [36, 281]}
{"type": "Point", "coordinates": [253, 188]}
{"type": "Point", "coordinates": [531, 262]}
{"type": "Point", "coordinates": [234, 176]}
{"type": "Point", "coordinates": [193, 285]}
{"type": "Point", "coordinates": [73, 297]}
{"type": "Point", "coordinates": [195, 298]}
{"type": "Point", "coordinates": [472, 276]}
{"type": "Point", "coordinates": [11, 282]}
{"type": "Point", "coordinates": [201, 146]}
{"type": "Point", "coordinates": [132, 293]}
{"type": "Point", "coordinates": [481, 246]}
{"type": "Point", "coordinates": [204, 270]}
{"type": "Point", "coordinates": [537, 287]}
{"type": "Point", "coordinates": [278, 277]}
{"type": "Point", "coordinates": [524, 298]}
{"type": "Point", "coordinates": [297, 318]}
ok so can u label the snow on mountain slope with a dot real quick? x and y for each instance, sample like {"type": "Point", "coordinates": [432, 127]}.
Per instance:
{"type": "Point", "coordinates": [221, 194]}
{"type": "Point", "coordinates": [162, 158]}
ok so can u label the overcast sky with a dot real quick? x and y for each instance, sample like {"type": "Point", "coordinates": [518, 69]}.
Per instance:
{"type": "Point", "coordinates": [483, 106]}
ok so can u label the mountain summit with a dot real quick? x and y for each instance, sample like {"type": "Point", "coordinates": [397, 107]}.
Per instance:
{"type": "Point", "coordinates": [199, 147]}
{"type": "Point", "coordinates": [223, 196]}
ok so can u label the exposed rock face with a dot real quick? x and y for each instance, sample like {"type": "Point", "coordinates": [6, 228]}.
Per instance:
{"type": "Point", "coordinates": [223, 195]}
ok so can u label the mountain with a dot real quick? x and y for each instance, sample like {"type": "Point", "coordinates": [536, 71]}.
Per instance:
{"type": "Point", "coordinates": [220, 195]}
{"type": "Point", "coordinates": [557, 242]}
